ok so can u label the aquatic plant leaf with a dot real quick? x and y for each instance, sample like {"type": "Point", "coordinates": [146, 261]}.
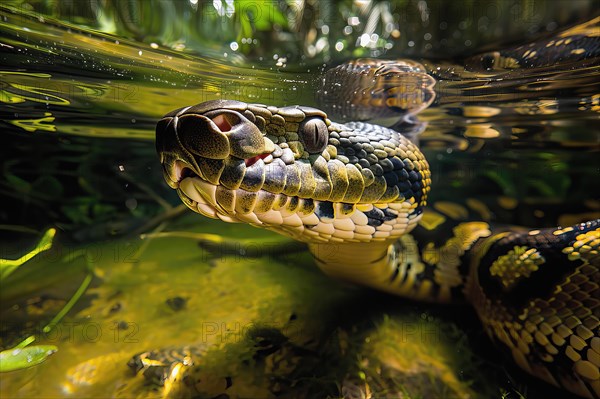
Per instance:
{"type": "Point", "coordinates": [21, 358]}
{"type": "Point", "coordinates": [503, 181]}
{"type": "Point", "coordinates": [77, 213]}
{"type": "Point", "coordinates": [7, 266]}
{"type": "Point", "coordinates": [17, 183]}
{"type": "Point", "coordinates": [49, 185]}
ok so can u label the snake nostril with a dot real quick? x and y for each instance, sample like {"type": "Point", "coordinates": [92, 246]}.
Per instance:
{"type": "Point", "coordinates": [222, 123]}
{"type": "Point", "coordinates": [226, 121]}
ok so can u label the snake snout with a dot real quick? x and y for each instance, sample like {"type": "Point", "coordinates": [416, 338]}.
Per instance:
{"type": "Point", "coordinates": [201, 136]}
{"type": "Point", "coordinates": [214, 145]}
{"type": "Point", "coordinates": [220, 134]}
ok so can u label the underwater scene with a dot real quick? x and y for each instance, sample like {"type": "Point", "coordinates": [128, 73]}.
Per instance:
{"type": "Point", "coordinates": [300, 199]}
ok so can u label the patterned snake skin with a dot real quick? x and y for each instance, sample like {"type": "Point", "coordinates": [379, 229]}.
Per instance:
{"type": "Point", "coordinates": [355, 193]}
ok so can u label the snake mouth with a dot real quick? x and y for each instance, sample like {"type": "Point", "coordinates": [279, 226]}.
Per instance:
{"type": "Point", "coordinates": [273, 211]}
{"type": "Point", "coordinates": [183, 170]}
{"type": "Point", "coordinates": [303, 219]}
{"type": "Point", "coordinates": [195, 192]}
{"type": "Point", "coordinates": [238, 205]}
{"type": "Point", "coordinates": [261, 208]}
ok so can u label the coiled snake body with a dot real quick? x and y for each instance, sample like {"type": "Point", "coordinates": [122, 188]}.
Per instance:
{"type": "Point", "coordinates": [355, 193]}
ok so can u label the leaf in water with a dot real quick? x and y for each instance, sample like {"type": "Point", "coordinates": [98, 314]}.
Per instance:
{"type": "Point", "coordinates": [18, 184]}
{"type": "Point", "coordinates": [49, 185]}
{"type": "Point", "coordinates": [7, 266]}
{"type": "Point", "coordinates": [504, 182]}
{"type": "Point", "coordinates": [74, 214]}
{"type": "Point", "coordinates": [21, 358]}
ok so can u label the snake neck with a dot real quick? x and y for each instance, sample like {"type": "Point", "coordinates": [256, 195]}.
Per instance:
{"type": "Point", "coordinates": [367, 264]}
{"type": "Point", "coordinates": [413, 266]}
{"type": "Point", "coordinates": [397, 268]}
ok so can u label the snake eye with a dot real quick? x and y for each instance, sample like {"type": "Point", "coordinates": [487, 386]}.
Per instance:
{"type": "Point", "coordinates": [314, 135]}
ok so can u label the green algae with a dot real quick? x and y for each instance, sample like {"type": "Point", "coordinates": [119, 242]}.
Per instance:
{"type": "Point", "coordinates": [252, 327]}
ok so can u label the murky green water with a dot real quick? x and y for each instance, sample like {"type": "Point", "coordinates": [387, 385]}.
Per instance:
{"type": "Point", "coordinates": [78, 107]}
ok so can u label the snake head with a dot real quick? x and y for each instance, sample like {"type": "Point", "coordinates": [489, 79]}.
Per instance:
{"type": "Point", "coordinates": [293, 171]}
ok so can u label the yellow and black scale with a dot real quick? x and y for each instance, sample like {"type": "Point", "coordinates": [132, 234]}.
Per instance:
{"type": "Point", "coordinates": [356, 194]}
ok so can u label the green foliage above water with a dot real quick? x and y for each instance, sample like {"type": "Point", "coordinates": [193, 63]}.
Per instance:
{"type": "Point", "coordinates": [317, 30]}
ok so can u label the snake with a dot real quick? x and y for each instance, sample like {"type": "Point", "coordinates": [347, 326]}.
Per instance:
{"type": "Point", "coordinates": [355, 193]}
